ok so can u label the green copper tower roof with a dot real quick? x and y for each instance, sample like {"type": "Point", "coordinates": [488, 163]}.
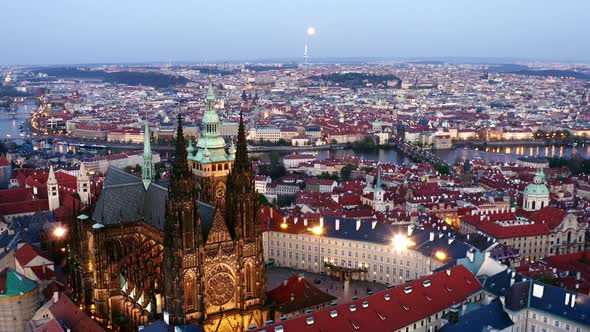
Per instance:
{"type": "Point", "coordinates": [538, 186]}
{"type": "Point", "coordinates": [15, 284]}
{"type": "Point", "coordinates": [211, 145]}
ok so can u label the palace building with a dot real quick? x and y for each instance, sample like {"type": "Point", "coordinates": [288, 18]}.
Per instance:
{"type": "Point", "coordinates": [185, 252]}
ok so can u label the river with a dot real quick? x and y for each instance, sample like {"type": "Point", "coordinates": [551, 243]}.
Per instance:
{"type": "Point", "coordinates": [9, 123]}
{"type": "Point", "coordinates": [490, 154]}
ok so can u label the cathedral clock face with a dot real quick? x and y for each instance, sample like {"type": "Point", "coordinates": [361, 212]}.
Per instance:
{"type": "Point", "coordinates": [220, 288]}
{"type": "Point", "coordinates": [219, 192]}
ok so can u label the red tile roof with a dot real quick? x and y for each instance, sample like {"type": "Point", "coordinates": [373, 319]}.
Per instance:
{"type": "Point", "coordinates": [297, 293]}
{"type": "Point", "coordinates": [4, 161]}
{"type": "Point", "coordinates": [51, 326]}
{"type": "Point", "coordinates": [550, 216]}
{"type": "Point", "coordinates": [25, 254]}
{"type": "Point", "coordinates": [392, 309]}
{"type": "Point", "coordinates": [64, 309]}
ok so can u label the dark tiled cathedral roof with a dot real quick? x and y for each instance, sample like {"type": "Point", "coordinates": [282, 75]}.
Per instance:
{"type": "Point", "coordinates": [123, 199]}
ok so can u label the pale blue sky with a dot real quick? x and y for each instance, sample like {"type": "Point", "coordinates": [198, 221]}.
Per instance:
{"type": "Point", "coordinates": [94, 31]}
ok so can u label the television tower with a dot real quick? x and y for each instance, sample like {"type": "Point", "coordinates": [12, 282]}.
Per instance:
{"type": "Point", "coordinates": [310, 32]}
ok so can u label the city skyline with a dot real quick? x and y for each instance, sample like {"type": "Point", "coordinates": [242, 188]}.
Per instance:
{"type": "Point", "coordinates": [133, 32]}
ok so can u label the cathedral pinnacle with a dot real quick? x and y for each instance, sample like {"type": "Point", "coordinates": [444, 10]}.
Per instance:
{"type": "Point", "coordinates": [147, 170]}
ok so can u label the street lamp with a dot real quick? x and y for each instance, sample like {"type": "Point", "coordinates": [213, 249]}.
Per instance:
{"type": "Point", "coordinates": [59, 232]}
{"type": "Point", "coordinates": [317, 230]}
{"type": "Point", "coordinates": [401, 242]}
{"type": "Point", "coordinates": [440, 255]}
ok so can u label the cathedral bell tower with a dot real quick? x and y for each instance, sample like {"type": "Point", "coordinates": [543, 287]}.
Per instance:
{"type": "Point", "coordinates": [181, 240]}
{"type": "Point", "coordinates": [211, 163]}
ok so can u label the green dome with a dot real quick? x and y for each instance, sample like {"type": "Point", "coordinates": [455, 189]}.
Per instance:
{"type": "Point", "coordinates": [536, 189]}
{"type": "Point", "coordinates": [210, 117]}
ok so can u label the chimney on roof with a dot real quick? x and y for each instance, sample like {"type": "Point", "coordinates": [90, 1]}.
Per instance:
{"type": "Point", "coordinates": [410, 229]}
{"type": "Point", "coordinates": [471, 254]}
{"type": "Point", "coordinates": [578, 275]}
{"type": "Point", "coordinates": [305, 222]}
{"type": "Point", "coordinates": [358, 224]}
{"type": "Point", "coordinates": [295, 220]}
{"type": "Point", "coordinates": [321, 222]}
{"type": "Point", "coordinates": [373, 224]}
{"type": "Point", "coordinates": [55, 297]}
{"type": "Point", "coordinates": [292, 297]}
{"type": "Point", "coordinates": [431, 237]}
{"type": "Point", "coordinates": [285, 282]}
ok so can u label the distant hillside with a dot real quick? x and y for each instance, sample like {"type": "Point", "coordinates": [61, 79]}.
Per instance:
{"type": "Point", "coordinates": [156, 80]}
{"type": "Point", "coordinates": [359, 80]}
{"type": "Point", "coordinates": [553, 73]}
{"type": "Point", "coordinates": [506, 68]}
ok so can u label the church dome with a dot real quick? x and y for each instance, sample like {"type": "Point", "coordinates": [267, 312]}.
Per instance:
{"type": "Point", "coordinates": [538, 186]}
{"type": "Point", "coordinates": [536, 189]}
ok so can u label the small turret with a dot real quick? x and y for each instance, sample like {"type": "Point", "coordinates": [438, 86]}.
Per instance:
{"type": "Point", "coordinates": [232, 151]}
{"type": "Point", "coordinates": [190, 149]}
{"type": "Point", "coordinates": [52, 190]}
{"type": "Point", "coordinates": [83, 184]}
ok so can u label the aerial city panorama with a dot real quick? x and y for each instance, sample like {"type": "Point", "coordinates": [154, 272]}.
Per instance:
{"type": "Point", "coordinates": [287, 166]}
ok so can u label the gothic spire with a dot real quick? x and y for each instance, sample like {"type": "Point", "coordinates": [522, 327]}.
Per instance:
{"type": "Point", "coordinates": [180, 167]}
{"type": "Point", "coordinates": [241, 162]}
{"type": "Point", "coordinates": [147, 170]}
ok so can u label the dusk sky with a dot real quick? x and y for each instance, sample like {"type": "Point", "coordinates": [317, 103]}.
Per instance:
{"type": "Point", "coordinates": [74, 31]}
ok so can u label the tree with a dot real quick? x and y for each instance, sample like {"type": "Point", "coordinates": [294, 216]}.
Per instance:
{"type": "Point", "coordinates": [443, 169]}
{"type": "Point", "coordinates": [346, 171]}
{"type": "Point", "coordinates": [328, 176]}
{"type": "Point", "coordinates": [263, 201]}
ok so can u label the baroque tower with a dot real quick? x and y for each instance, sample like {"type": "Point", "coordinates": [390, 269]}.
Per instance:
{"type": "Point", "coordinates": [211, 163]}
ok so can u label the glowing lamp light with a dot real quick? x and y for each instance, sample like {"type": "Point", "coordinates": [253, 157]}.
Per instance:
{"type": "Point", "coordinates": [401, 241]}
{"type": "Point", "coordinates": [59, 231]}
{"type": "Point", "coordinates": [311, 31]}
{"type": "Point", "coordinates": [284, 225]}
{"type": "Point", "coordinates": [440, 255]}
{"type": "Point", "coordinates": [317, 230]}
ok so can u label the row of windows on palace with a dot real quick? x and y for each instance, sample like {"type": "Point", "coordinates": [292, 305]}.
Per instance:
{"type": "Point", "coordinates": [329, 241]}
{"type": "Point", "coordinates": [381, 267]}
{"type": "Point", "coordinates": [390, 272]}
{"type": "Point", "coordinates": [344, 253]}
{"type": "Point", "coordinates": [560, 325]}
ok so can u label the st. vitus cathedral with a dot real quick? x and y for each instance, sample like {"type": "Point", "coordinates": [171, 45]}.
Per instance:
{"type": "Point", "coordinates": [189, 252]}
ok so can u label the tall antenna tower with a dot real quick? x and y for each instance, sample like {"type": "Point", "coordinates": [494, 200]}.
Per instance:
{"type": "Point", "coordinates": [310, 32]}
